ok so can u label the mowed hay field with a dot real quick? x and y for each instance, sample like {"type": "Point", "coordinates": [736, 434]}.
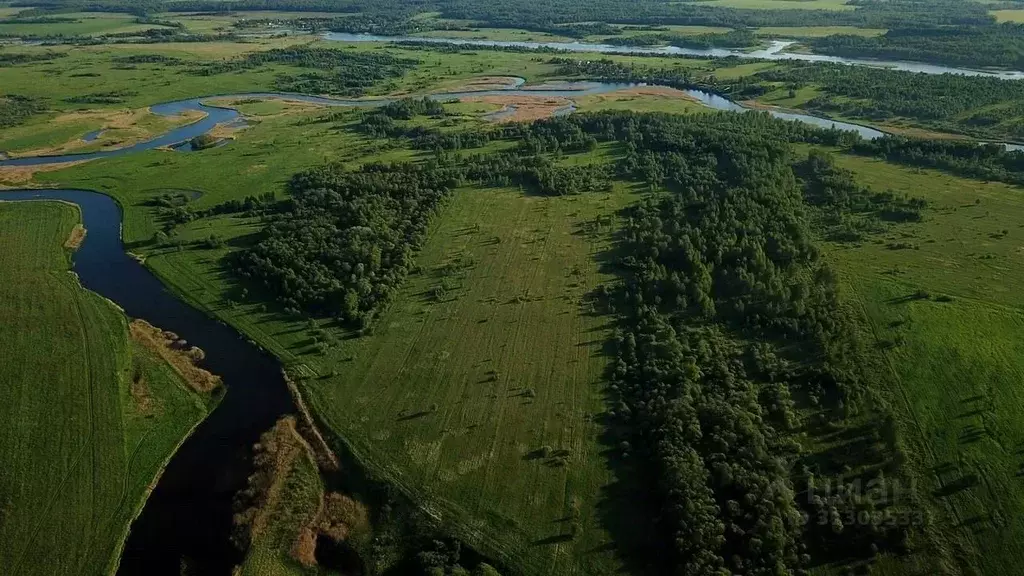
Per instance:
{"type": "Point", "coordinates": [957, 357]}
{"type": "Point", "coordinates": [87, 417]}
{"type": "Point", "coordinates": [482, 397]}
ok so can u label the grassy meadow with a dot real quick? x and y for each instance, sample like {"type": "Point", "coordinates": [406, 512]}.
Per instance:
{"type": "Point", "coordinates": [1008, 15]}
{"type": "Point", "coordinates": [461, 392]}
{"type": "Point", "coordinates": [269, 554]}
{"type": "Point", "coordinates": [88, 415]}
{"type": "Point", "coordinates": [816, 31]}
{"type": "Point", "coordinates": [956, 357]}
{"type": "Point", "coordinates": [74, 24]}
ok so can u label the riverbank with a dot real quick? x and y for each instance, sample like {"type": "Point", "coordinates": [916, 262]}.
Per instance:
{"type": "Point", "coordinates": [81, 453]}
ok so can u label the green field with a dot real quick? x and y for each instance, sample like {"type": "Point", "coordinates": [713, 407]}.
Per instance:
{"type": "Point", "coordinates": [458, 393]}
{"type": "Point", "coordinates": [670, 103]}
{"type": "Point", "coordinates": [957, 363]}
{"type": "Point", "coordinates": [90, 70]}
{"type": "Point", "coordinates": [79, 24]}
{"type": "Point", "coordinates": [489, 358]}
{"type": "Point", "coordinates": [1008, 15]}
{"type": "Point", "coordinates": [88, 415]}
{"type": "Point", "coordinates": [783, 4]}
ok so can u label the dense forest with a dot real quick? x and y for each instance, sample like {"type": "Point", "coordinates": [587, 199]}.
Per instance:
{"type": "Point", "coordinates": [1000, 46]}
{"type": "Point", "coordinates": [551, 15]}
{"type": "Point", "coordinates": [729, 315]}
{"type": "Point", "coordinates": [974, 105]}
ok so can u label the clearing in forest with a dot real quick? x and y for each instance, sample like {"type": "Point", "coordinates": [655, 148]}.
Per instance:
{"type": "Point", "coordinates": [480, 388]}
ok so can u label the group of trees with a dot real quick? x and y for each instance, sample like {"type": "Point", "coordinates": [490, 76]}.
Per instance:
{"type": "Point", "coordinates": [15, 109]}
{"type": "Point", "coordinates": [17, 58]}
{"type": "Point", "coordinates": [846, 211]}
{"type": "Point", "coordinates": [134, 59]}
{"type": "Point", "coordinates": [328, 71]}
{"type": "Point", "coordinates": [108, 97]}
{"type": "Point", "coordinates": [345, 240]}
{"type": "Point", "coordinates": [980, 161]}
{"type": "Point", "coordinates": [953, 102]}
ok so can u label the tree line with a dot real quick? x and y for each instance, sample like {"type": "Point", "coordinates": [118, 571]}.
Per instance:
{"type": "Point", "coordinates": [981, 106]}
{"type": "Point", "coordinates": [969, 159]}
{"type": "Point", "coordinates": [730, 39]}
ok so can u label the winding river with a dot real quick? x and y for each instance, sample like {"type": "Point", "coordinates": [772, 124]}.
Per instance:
{"type": "Point", "coordinates": [215, 115]}
{"type": "Point", "coordinates": [776, 50]}
{"type": "Point", "coordinates": [189, 513]}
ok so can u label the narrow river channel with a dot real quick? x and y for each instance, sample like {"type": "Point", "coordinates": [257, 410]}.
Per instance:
{"type": "Point", "coordinates": [188, 517]}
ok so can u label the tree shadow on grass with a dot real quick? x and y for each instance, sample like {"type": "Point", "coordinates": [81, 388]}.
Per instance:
{"type": "Point", "coordinates": [628, 509]}
{"type": "Point", "coordinates": [413, 416]}
{"type": "Point", "coordinates": [556, 539]}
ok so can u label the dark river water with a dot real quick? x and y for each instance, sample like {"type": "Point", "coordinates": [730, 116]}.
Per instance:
{"type": "Point", "coordinates": [189, 514]}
